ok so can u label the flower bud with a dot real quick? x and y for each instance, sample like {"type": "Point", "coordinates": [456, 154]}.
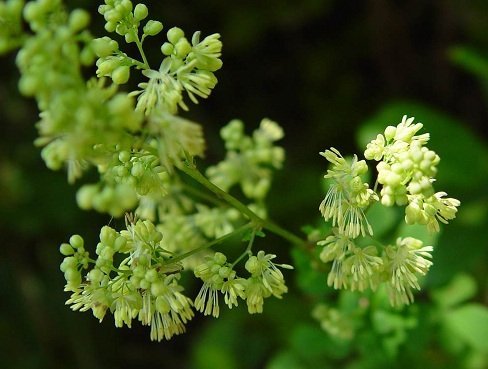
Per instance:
{"type": "Point", "coordinates": [390, 132]}
{"type": "Point", "coordinates": [152, 28]}
{"type": "Point", "coordinates": [167, 48]}
{"type": "Point", "coordinates": [76, 241]}
{"type": "Point", "coordinates": [121, 75]}
{"type": "Point", "coordinates": [157, 288]}
{"type": "Point", "coordinates": [106, 67]}
{"type": "Point", "coordinates": [140, 12]}
{"type": "Point", "coordinates": [182, 47]}
{"type": "Point", "coordinates": [78, 20]}
{"type": "Point", "coordinates": [220, 258]}
{"type": "Point", "coordinates": [66, 249]}
{"type": "Point", "coordinates": [151, 275]}
{"type": "Point", "coordinates": [104, 46]}
{"type": "Point", "coordinates": [130, 37]}
{"type": "Point", "coordinates": [174, 34]}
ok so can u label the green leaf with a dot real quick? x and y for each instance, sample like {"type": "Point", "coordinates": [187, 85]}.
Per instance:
{"type": "Point", "coordinates": [309, 279]}
{"type": "Point", "coordinates": [285, 360]}
{"type": "Point", "coordinates": [418, 231]}
{"type": "Point", "coordinates": [382, 219]}
{"type": "Point", "coordinates": [470, 323]}
{"type": "Point", "coordinates": [471, 60]}
{"type": "Point", "coordinates": [461, 288]}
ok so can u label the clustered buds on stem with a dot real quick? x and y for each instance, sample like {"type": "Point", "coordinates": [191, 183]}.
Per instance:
{"type": "Point", "coordinates": [140, 148]}
{"type": "Point", "coordinates": [406, 172]}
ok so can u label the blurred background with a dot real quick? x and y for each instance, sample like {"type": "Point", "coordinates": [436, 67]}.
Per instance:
{"type": "Point", "coordinates": [332, 73]}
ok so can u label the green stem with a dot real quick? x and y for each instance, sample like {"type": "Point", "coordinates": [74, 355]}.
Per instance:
{"type": "Point", "coordinates": [202, 195]}
{"type": "Point", "coordinates": [141, 51]}
{"type": "Point", "coordinates": [247, 251]}
{"type": "Point", "coordinates": [190, 169]}
{"type": "Point", "coordinates": [207, 245]}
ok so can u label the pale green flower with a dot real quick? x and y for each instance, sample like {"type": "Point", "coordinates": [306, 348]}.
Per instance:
{"type": "Point", "coordinates": [261, 266]}
{"type": "Point", "coordinates": [249, 160]}
{"type": "Point", "coordinates": [431, 210]}
{"type": "Point", "coordinates": [215, 222]}
{"type": "Point", "coordinates": [363, 267]}
{"type": "Point", "coordinates": [404, 263]}
{"type": "Point", "coordinates": [334, 321]}
{"type": "Point", "coordinates": [207, 300]}
{"type": "Point", "coordinates": [218, 276]}
{"type": "Point", "coordinates": [256, 292]}
{"type": "Point", "coordinates": [348, 196]}
{"type": "Point", "coordinates": [167, 313]}
{"type": "Point", "coordinates": [233, 288]}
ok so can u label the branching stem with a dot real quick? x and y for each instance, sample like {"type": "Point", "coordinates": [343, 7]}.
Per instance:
{"type": "Point", "coordinates": [190, 169]}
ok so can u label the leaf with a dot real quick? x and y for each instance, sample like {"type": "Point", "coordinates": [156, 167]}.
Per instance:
{"type": "Point", "coordinates": [308, 278]}
{"type": "Point", "coordinates": [382, 219]}
{"type": "Point", "coordinates": [285, 360]}
{"type": "Point", "coordinates": [470, 323]}
{"type": "Point", "coordinates": [418, 231]}
{"type": "Point", "coordinates": [471, 60]}
{"type": "Point", "coordinates": [461, 288]}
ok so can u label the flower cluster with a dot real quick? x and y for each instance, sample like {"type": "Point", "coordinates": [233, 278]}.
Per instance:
{"type": "Point", "coordinates": [404, 263]}
{"type": "Point", "coordinates": [334, 321]}
{"type": "Point", "coordinates": [358, 268]}
{"type": "Point", "coordinates": [249, 160]}
{"type": "Point", "coordinates": [218, 275]}
{"type": "Point", "coordinates": [186, 67]}
{"type": "Point", "coordinates": [10, 24]}
{"type": "Point", "coordinates": [144, 285]}
{"type": "Point", "coordinates": [353, 267]}
{"type": "Point", "coordinates": [348, 195]}
{"type": "Point", "coordinates": [407, 170]}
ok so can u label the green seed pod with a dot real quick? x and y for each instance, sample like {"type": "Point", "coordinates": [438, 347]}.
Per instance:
{"type": "Point", "coordinates": [152, 28]}
{"type": "Point", "coordinates": [121, 75]}
{"type": "Point", "coordinates": [140, 12]}
{"type": "Point", "coordinates": [174, 34]}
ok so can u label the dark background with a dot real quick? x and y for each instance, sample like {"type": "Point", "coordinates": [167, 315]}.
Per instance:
{"type": "Point", "coordinates": [323, 70]}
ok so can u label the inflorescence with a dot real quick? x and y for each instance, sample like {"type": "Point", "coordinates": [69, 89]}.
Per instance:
{"type": "Point", "coordinates": [144, 154]}
{"type": "Point", "coordinates": [406, 173]}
